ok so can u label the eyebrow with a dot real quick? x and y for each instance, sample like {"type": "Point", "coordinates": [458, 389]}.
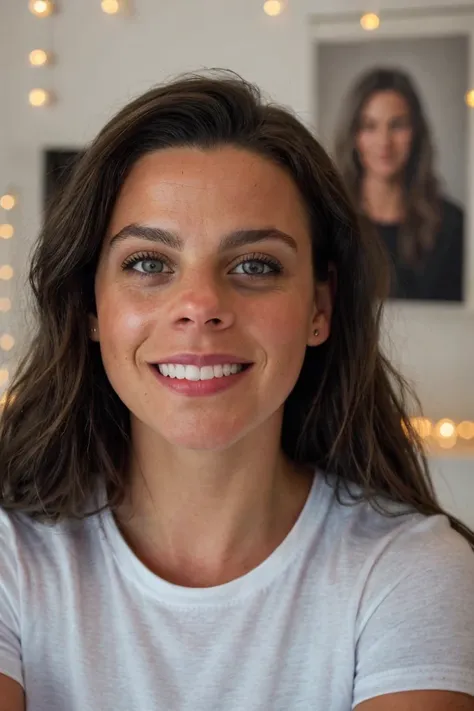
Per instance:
{"type": "Point", "coordinates": [238, 238]}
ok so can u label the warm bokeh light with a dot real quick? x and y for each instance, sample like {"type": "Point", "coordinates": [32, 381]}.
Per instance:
{"type": "Point", "coordinates": [39, 97]}
{"type": "Point", "coordinates": [445, 429]}
{"type": "Point", "coordinates": [273, 7]}
{"type": "Point", "coordinates": [465, 429]}
{"type": "Point", "coordinates": [38, 58]}
{"type": "Point", "coordinates": [5, 304]}
{"type": "Point", "coordinates": [6, 342]}
{"type": "Point", "coordinates": [41, 8]}
{"type": "Point", "coordinates": [469, 98]}
{"type": "Point", "coordinates": [7, 201]}
{"type": "Point", "coordinates": [111, 7]}
{"type": "Point", "coordinates": [6, 231]}
{"type": "Point", "coordinates": [3, 376]}
{"type": "Point", "coordinates": [422, 426]}
{"type": "Point", "coordinates": [370, 21]}
{"type": "Point", "coordinates": [6, 272]}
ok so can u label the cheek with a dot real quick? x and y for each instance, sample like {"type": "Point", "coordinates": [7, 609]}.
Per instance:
{"type": "Point", "coordinates": [122, 325]}
{"type": "Point", "coordinates": [364, 145]}
{"type": "Point", "coordinates": [403, 143]}
{"type": "Point", "coordinates": [283, 329]}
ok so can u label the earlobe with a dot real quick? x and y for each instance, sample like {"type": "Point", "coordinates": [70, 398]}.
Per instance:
{"type": "Point", "coordinates": [93, 328]}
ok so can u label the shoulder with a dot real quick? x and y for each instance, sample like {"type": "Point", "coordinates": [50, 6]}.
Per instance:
{"type": "Point", "coordinates": [380, 537]}
{"type": "Point", "coordinates": [37, 551]}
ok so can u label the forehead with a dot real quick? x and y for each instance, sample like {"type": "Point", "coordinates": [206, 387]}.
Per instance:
{"type": "Point", "coordinates": [190, 186]}
{"type": "Point", "coordinates": [385, 102]}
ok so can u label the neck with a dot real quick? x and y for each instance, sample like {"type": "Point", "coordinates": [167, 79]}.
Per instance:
{"type": "Point", "coordinates": [204, 518]}
{"type": "Point", "coordinates": [383, 200]}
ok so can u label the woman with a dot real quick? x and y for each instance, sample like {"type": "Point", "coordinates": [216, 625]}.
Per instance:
{"type": "Point", "coordinates": [385, 154]}
{"type": "Point", "coordinates": [212, 497]}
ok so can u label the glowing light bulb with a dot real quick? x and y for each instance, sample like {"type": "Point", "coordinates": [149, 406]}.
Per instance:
{"type": "Point", "coordinates": [5, 304]}
{"type": "Point", "coordinates": [446, 428]}
{"type": "Point", "coordinates": [7, 202]}
{"type": "Point", "coordinates": [39, 97]}
{"type": "Point", "coordinates": [273, 7]}
{"type": "Point", "coordinates": [111, 7]}
{"type": "Point", "coordinates": [465, 429]}
{"type": "Point", "coordinates": [6, 342]}
{"type": "Point", "coordinates": [3, 376]}
{"type": "Point", "coordinates": [370, 21]}
{"type": "Point", "coordinates": [41, 8]}
{"type": "Point", "coordinates": [6, 272]}
{"type": "Point", "coordinates": [469, 98]}
{"type": "Point", "coordinates": [38, 58]}
{"type": "Point", "coordinates": [6, 231]}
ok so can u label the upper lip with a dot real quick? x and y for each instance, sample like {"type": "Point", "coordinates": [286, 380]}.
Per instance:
{"type": "Point", "coordinates": [201, 360]}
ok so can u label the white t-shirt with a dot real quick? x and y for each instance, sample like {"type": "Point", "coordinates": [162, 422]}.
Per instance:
{"type": "Point", "coordinates": [351, 605]}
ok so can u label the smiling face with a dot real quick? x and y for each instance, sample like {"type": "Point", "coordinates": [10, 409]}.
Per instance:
{"type": "Point", "coordinates": [385, 135]}
{"type": "Point", "coordinates": [207, 265]}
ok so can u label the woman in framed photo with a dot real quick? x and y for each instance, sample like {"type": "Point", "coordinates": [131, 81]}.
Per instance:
{"type": "Point", "coordinates": [384, 150]}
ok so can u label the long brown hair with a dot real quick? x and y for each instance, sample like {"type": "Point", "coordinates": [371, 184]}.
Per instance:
{"type": "Point", "coordinates": [64, 430]}
{"type": "Point", "coordinates": [422, 199]}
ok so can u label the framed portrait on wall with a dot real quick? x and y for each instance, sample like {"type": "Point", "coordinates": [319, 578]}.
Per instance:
{"type": "Point", "coordinates": [391, 107]}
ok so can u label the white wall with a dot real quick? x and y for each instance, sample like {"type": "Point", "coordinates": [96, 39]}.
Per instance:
{"type": "Point", "coordinates": [103, 61]}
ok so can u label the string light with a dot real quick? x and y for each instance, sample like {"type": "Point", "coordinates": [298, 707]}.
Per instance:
{"type": "Point", "coordinates": [41, 8]}
{"type": "Point", "coordinates": [6, 231]}
{"type": "Point", "coordinates": [469, 98]}
{"type": "Point", "coordinates": [5, 304]}
{"type": "Point", "coordinates": [111, 7]}
{"type": "Point", "coordinates": [39, 97]}
{"type": "Point", "coordinates": [7, 201]}
{"type": "Point", "coordinates": [6, 272]}
{"type": "Point", "coordinates": [39, 57]}
{"type": "Point", "coordinates": [7, 342]}
{"type": "Point", "coordinates": [273, 7]}
{"type": "Point", "coordinates": [465, 430]}
{"type": "Point", "coordinates": [445, 433]}
{"type": "Point", "coordinates": [370, 21]}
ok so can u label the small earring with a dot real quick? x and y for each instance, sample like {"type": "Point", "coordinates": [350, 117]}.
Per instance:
{"type": "Point", "coordinates": [316, 332]}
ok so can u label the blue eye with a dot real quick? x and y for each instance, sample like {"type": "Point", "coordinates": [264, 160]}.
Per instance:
{"type": "Point", "coordinates": [146, 264]}
{"type": "Point", "coordinates": [258, 266]}
{"type": "Point", "coordinates": [253, 268]}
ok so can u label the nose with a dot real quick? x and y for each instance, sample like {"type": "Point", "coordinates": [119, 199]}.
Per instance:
{"type": "Point", "coordinates": [202, 306]}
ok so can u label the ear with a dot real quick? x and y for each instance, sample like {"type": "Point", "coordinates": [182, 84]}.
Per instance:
{"type": "Point", "coordinates": [93, 328]}
{"type": "Point", "coordinates": [324, 295]}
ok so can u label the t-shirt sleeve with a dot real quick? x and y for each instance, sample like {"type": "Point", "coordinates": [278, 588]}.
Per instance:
{"type": "Point", "coordinates": [415, 628]}
{"type": "Point", "coordinates": [10, 644]}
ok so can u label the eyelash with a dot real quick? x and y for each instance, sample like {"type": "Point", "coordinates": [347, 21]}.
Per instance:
{"type": "Point", "coordinates": [275, 265]}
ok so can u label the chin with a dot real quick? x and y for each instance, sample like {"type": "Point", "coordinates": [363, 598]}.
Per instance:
{"type": "Point", "coordinates": [206, 434]}
{"type": "Point", "coordinates": [387, 172]}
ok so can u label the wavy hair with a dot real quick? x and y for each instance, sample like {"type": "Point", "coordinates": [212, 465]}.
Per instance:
{"type": "Point", "coordinates": [65, 432]}
{"type": "Point", "coordinates": [421, 191]}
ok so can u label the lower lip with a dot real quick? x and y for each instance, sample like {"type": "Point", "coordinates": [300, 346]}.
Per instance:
{"type": "Point", "coordinates": [199, 388]}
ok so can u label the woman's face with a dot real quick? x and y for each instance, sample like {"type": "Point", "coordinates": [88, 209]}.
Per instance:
{"type": "Point", "coordinates": [206, 269]}
{"type": "Point", "coordinates": [385, 135]}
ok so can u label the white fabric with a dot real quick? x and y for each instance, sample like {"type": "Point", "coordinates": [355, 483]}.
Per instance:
{"type": "Point", "coordinates": [353, 604]}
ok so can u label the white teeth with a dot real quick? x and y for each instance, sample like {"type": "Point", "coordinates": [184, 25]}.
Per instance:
{"type": "Point", "coordinates": [207, 372]}
{"type": "Point", "coordinates": [192, 372]}
{"type": "Point", "coordinates": [180, 372]}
